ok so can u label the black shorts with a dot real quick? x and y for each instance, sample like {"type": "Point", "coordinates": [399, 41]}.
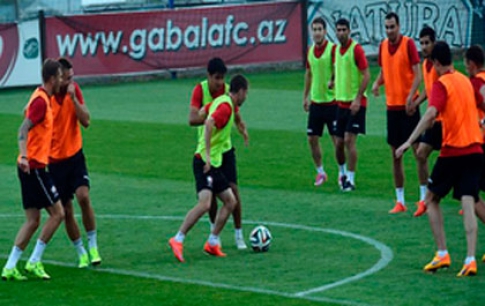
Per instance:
{"type": "Point", "coordinates": [37, 189]}
{"type": "Point", "coordinates": [322, 114]}
{"type": "Point", "coordinates": [228, 167]}
{"type": "Point", "coordinates": [462, 173]}
{"type": "Point", "coordinates": [70, 174]}
{"type": "Point", "coordinates": [400, 126]}
{"type": "Point", "coordinates": [214, 180]}
{"type": "Point", "coordinates": [482, 177]}
{"type": "Point", "coordinates": [351, 124]}
{"type": "Point", "coordinates": [433, 136]}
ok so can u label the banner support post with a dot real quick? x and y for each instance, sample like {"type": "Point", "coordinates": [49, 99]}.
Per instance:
{"type": "Point", "coordinates": [42, 42]}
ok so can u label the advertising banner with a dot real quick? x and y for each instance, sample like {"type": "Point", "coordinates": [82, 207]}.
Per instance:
{"type": "Point", "coordinates": [172, 39]}
{"type": "Point", "coordinates": [452, 20]}
{"type": "Point", "coordinates": [19, 54]}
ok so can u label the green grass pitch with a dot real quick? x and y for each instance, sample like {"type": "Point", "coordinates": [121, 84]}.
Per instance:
{"type": "Point", "coordinates": [329, 248]}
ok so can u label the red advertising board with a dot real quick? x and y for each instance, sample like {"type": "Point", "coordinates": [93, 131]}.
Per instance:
{"type": "Point", "coordinates": [9, 46]}
{"type": "Point", "coordinates": [141, 42]}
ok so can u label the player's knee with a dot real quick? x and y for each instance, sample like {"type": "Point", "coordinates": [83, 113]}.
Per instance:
{"type": "Point", "coordinates": [84, 202]}
{"type": "Point", "coordinates": [313, 140]}
{"type": "Point", "coordinates": [421, 155]}
{"type": "Point", "coordinates": [33, 224]}
{"type": "Point", "coordinates": [82, 195]}
{"type": "Point", "coordinates": [349, 143]}
{"type": "Point", "coordinates": [68, 213]}
{"type": "Point", "coordinates": [205, 205]}
{"type": "Point", "coordinates": [58, 213]}
{"type": "Point", "coordinates": [431, 198]}
{"type": "Point", "coordinates": [339, 143]}
{"type": "Point", "coordinates": [231, 202]}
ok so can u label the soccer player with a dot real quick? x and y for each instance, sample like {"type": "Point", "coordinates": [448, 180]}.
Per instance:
{"type": "Point", "coordinates": [207, 169]}
{"type": "Point", "coordinates": [38, 192]}
{"type": "Point", "coordinates": [351, 79]}
{"type": "Point", "coordinates": [399, 61]}
{"type": "Point", "coordinates": [474, 64]}
{"type": "Point", "coordinates": [67, 164]}
{"type": "Point", "coordinates": [204, 93]}
{"type": "Point", "coordinates": [318, 96]}
{"type": "Point", "coordinates": [431, 139]}
{"type": "Point", "coordinates": [460, 162]}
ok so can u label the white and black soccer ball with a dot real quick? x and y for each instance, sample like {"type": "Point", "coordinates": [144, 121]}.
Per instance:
{"type": "Point", "coordinates": [260, 238]}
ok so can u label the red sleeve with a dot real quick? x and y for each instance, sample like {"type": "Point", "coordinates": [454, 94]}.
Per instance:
{"type": "Point", "coordinates": [477, 85]}
{"type": "Point", "coordinates": [37, 110]}
{"type": "Point", "coordinates": [438, 96]}
{"type": "Point", "coordinates": [221, 115]}
{"type": "Point", "coordinates": [207, 106]}
{"type": "Point", "coordinates": [360, 59]}
{"type": "Point", "coordinates": [379, 60]}
{"type": "Point", "coordinates": [79, 94]}
{"type": "Point", "coordinates": [413, 53]}
{"type": "Point", "coordinates": [196, 100]}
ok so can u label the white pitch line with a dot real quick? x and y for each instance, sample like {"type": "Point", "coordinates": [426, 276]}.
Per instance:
{"type": "Point", "coordinates": [386, 257]}
{"type": "Point", "coordinates": [206, 283]}
{"type": "Point", "coordinates": [386, 252]}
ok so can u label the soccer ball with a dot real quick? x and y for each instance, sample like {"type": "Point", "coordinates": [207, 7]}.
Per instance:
{"type": "Point", "coordinates": [260, 238]}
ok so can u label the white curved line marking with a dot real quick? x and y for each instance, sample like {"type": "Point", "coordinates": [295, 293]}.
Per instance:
{"type": "Point", "coordinates": [386, 257]}
{"type": "Point", "coordinates": [207, 284]}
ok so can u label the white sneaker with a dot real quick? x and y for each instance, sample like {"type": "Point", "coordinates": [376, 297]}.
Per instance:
{"type": "Point", "coordinates": [241, 245]}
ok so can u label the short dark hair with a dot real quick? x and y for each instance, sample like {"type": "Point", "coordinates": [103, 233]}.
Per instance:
{"type": "Point", "coordinates": [343, 22]}
{"type": "Point", "coordinates": [65, 63]}
{"type": "Point", "coordinates": [238, 82]}
{"type": "Point", "coordinates": [441, 53]}
{"type": "Point", "coordinates": [216, 65]}
{"type": "Point", "coordinates": [391, 15]}
{"type": "Point", "coordinates": [427, 31]}
{"type": "Point", "coordinates": [475, 54]}
{"type": "Point", "coordinates": [50, 68]}
{"type": "Point", "coordinates": [321, 21]}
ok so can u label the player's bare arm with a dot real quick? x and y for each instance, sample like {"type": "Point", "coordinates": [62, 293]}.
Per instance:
{"type": "Point", "coordinates": [197, 116]}
{"type": "Point", "coordinates": [410, 105]}
{"type": "Point", "coordinates": [377, 83]}
{"type": "Point", "coordinates": [306, 91]}
{"type": "Point", "coordinates": [355, 105]}
{"type": "Point", "coordinates": [482, 93]}
{"type": "Point", "coordinates": [82, 112]}
{"type": "Point", "coordinates": [241, 127]}
{"type": "Point", "coordinates": [420, 99]}
{"type": "Point", "coordinates": [425, 123]}
{"type": "Point", "coordinates": [209, 126]}
{"type": "Point", "coordinates": [22, 139]}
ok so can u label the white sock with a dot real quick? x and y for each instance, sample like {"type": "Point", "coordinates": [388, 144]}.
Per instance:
{"type": "Point", "coordinates": [78, 244]}
{"type": "Point", "coordinates": [213, 239]}
{"type": "Point", "coordinates": [422, 192]}
{"type": "Point", "coordinates": [351, 177]}
{"type": "Point", "coordinates": [92, 240]}
{"type": "Point", "coordinates": [179, 237]}
{"type": "Point", "coordinates": [442, 253]}
{"type": "Point", "coordinates": [320, 170]}
{"type": "Point", "coordinates": [342, 169]}
{"type": "Point", "coordinates": [239, 233]}
{"type": "Point", "coordinates": [469, 259]}
{"type": "Point", "coordinates": [38, 251]}
{"type": "Point", "coordinates": [212, 226]}
{"type": "Point", "coordinates": [400, 195]}
{"type": "Point", "coordinates": [14, 257]}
